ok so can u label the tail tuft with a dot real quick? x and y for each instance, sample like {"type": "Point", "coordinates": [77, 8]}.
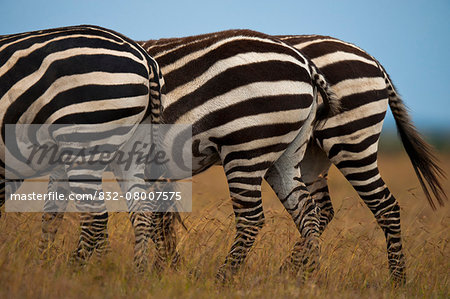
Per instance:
{"type": "Point", "coordinates": [421, 154]}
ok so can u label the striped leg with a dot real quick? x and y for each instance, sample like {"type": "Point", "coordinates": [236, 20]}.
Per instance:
{"type": "Point", "coordinates": [141, 222]}
{"type": "Point", "coordinates": [50, 224]}
{"type": "Point", "coordinates": [314, 169]}
{"type": "Point", "coordinates": [53, 211]}
{"type": "Point", "coordinates": [164, 237]}
{"type": "Point", "coordinates": [285, 179]}
{"type": "Point", "coordinates": [245, 194]}
{"type": "Point", "coordinates": [280, 170]}
{"type": "Point", "coordinates": [54, 214]}
{"type": "Point", "coordinates": [132, 181]}
{"type": "Point", "coordinates": [94, 235]}
{"type": "Point", "coordinates": [319, 192]}
{"type": "Point", "coordinates": [159, 225]}
{"type": "Point", "coordinates": [376, 195]}
{"type": "Point", "coordinates": [86, 181]}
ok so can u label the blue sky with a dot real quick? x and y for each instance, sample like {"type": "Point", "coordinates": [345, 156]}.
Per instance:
{"type": "Point", "coordinates": [410, 38]}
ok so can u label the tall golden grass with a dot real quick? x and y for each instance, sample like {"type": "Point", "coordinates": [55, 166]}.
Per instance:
{"type": "Point", "coordinates": [353, 257]}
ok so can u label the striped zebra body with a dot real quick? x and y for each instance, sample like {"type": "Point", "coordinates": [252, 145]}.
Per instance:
{"type": "Point", "coordinates": [349, 140]}
{"type": "Point", "coordinates": [251, 104]}
{"type": "Point", "coordinates": [75, 77]}
{"type": "Point", "coordinates": [250, 101]}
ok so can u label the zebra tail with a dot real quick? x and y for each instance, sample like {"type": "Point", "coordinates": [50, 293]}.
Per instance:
{"type": "Point", "coordinates": [421, 154]}
{"type": "Point", "coordinates": [331, 104]}
{"type": "Point", "coordinates": [157, 90]}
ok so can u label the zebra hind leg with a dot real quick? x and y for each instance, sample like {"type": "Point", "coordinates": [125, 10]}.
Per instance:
{"type": "Point", "coordinates": [50, 224]}
{"type": "Point", "coordinates": [319, 193]}
{"type": "Point", "coordinates": [293, 193]}
{"type": "Point", "coordinates": [94, 216]}
{"type": "Point", "coordinates": [164, 236]}
{"type": "Point", "coordinates": [303, 201]}
{"type": "Point", "coordinates": [386, 210]}
{"type": "Point", "coordinates": [248, 211]}
{"type": "Point", "coordinates": [141, 222]}
{"type": "Point", "coordinates": [314, 169]}
{"type": "Point", "coordinates": [53, 212]}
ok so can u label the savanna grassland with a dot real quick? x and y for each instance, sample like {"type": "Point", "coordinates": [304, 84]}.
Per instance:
{"type": "Point", "coordinates": [353, 257]}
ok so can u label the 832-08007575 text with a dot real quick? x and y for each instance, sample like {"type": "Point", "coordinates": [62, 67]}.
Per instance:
{"type": "Point", "coordinates": [57, 196]}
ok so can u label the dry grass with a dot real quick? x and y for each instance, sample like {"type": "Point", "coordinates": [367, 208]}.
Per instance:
{"type": "Point", "coordinates": [353, 258]}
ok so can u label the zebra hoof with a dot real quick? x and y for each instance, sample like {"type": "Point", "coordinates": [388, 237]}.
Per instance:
{"type": "Point", "coordinates": [288, 267]}
{"type": "Point", "coordinates": [176, 261]}
{"type": "Point", "coordinates": [398, 279]}
{"type": "Point", "coordinates": [195, 274]}
{"type": "Point", "coordinates": [158, 267]}
{"type": "Point", "coordinates": [77, 259]}
{"type": "Point", "coordinates": [225, 274]}
{"type": "Point", "coordinates": [140, 267]}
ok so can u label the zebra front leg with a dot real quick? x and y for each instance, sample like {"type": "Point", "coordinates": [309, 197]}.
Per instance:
{"type": "Point", "coordinates": [248, 210]}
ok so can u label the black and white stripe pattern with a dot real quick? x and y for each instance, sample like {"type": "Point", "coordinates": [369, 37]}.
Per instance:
{"type": "Point", "coordinates": [349, 139]}
{"type": "Point", "coordinates": [250, 101]}
{"type": "Point", "coordinates": [76, 76]}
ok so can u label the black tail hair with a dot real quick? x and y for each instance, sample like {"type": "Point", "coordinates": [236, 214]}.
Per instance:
{"type": "Point", "coordinates": [421, 154]}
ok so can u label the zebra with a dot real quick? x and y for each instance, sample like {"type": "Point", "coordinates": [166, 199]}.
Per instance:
{"type": "Point", "coordinates": [349, 140]}
{"type": "Point", "coordinates": [74, 77]}
{"type": "Point", "coordinates": [251, 101]}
